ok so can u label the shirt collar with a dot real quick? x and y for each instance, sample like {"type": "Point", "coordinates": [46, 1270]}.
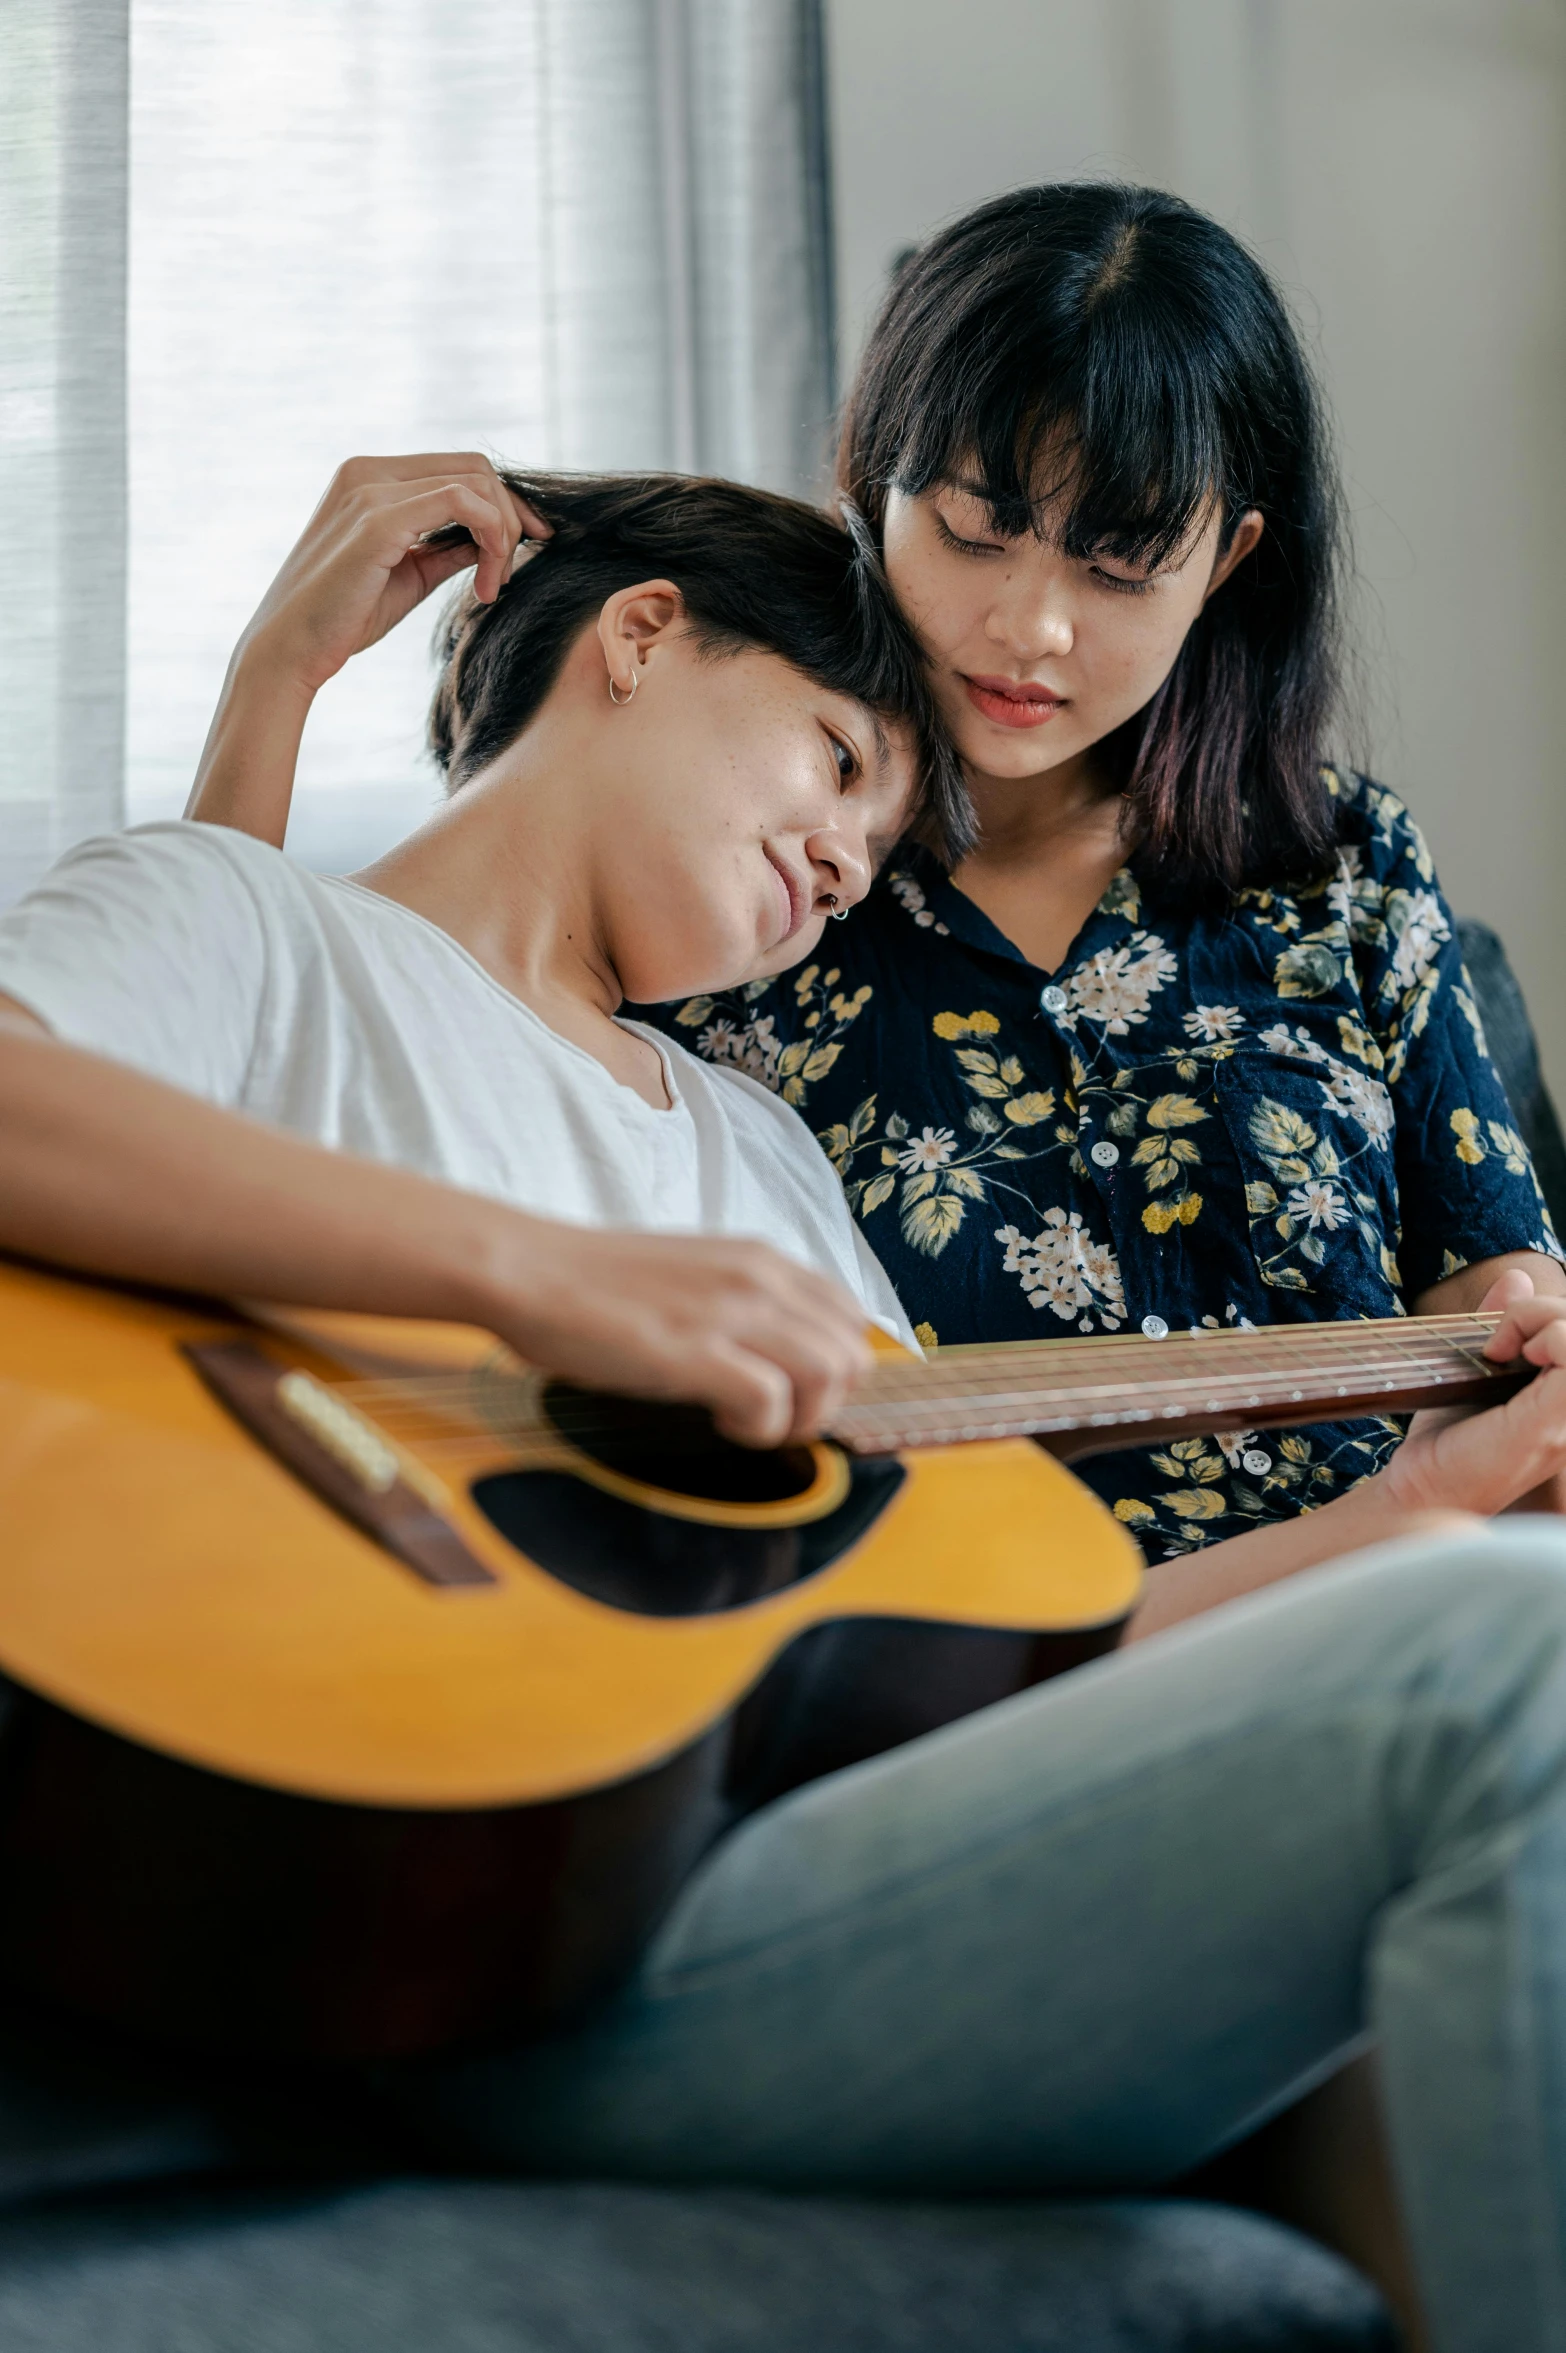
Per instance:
{"type": "Point", "coordinates": [1115, 917]}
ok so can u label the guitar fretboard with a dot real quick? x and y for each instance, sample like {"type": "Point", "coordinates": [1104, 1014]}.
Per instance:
{"type": "Point", "coordinates": [1095, 1393]}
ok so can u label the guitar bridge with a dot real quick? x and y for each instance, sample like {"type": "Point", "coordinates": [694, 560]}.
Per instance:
{"type": "Point", "coordinates": [340, 1456]}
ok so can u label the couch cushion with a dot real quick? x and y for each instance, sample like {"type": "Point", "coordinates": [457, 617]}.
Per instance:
{"type": "Point", "coordinates": [486, 2267]}
{"type": "Point", "coordinates": [1509, 1034]}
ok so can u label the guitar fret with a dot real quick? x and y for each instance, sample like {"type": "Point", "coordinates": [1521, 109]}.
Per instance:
{"type": "Point", "coordinates": [1185, 1395]}
{"type": "Point", "coordinates": [1037, 1388]}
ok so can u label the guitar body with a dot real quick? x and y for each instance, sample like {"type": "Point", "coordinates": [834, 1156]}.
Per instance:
{"type": "Point", "coordinates": [359, 1730]}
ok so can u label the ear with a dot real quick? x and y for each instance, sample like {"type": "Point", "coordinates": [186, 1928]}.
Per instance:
{"type": "Point", "coordinates": [1247, 532]}
{"type": "Point", "coordinates": [632, 622]}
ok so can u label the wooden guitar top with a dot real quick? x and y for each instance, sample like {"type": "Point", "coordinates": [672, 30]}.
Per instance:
{"type": "Point", "coordinates": [165, 1577]}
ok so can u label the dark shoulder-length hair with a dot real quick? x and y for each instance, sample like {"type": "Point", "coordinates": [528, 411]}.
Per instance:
{"type": "Point", "coordinates": [1107, 362]}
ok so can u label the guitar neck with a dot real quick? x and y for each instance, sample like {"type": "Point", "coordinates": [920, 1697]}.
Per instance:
{"type": "Point", "coordinates": [1091, 1396]}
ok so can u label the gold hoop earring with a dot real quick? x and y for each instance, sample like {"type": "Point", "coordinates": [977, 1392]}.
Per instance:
{"type": "Point", "coordinates": [620, 700]}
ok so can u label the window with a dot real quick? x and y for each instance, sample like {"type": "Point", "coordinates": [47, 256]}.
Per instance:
{"type": "Point", "coordinates": [572, 232]}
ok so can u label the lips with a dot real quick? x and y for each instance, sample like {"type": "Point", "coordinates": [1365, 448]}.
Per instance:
{"type": "Point", "coordinates": [794, 899]}
{"type": "Point", "coordinates": [1013, 702]}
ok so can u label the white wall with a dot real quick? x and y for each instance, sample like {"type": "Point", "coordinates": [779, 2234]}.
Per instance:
{"type": "Point", "coordinates": [1402, 169]}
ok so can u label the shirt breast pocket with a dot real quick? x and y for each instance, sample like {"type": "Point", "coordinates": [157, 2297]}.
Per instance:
{"type": "Point", "coordinates": [1313, 1136]}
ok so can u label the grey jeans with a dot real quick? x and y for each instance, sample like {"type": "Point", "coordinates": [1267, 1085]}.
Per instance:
{"type": "Point", "coordinates": [1085, 1940]}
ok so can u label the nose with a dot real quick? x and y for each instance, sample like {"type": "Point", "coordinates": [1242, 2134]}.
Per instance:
{"type": "Point", "coordinates": [840, 867]}
{"type": "Point", "coordinates": [1032, 616]}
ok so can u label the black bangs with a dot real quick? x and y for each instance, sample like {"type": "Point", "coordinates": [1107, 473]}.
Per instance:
{"type": "Point", "coordinates": [1105, 366]}
{"type": "Point", "coordinates": [1115, 446]}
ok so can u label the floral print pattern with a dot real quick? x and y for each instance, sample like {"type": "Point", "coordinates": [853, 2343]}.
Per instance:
{"type": "Point", "coordinates": [1282, 1111]}
{"type": "Point", "coordinates": [1115, 987]}
{"type": "Point", "coordinates": [1065, 1269]}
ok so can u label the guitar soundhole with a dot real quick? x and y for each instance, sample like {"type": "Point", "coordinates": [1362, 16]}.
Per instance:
{"type": "Point", "coordinates": [635, 1558]}
{"type": "Point", "coordinates": [675, 1447]}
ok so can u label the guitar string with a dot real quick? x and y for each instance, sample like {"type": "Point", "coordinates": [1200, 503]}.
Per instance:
{"type": "Point", "coordinates": [919, 1388]}
{"type": "Point", "coordinates": [1229, 1389]}
{"type": "Point", "coordinates": [1361, 1352]}
{"type": "Point", "coordinates": [1361, 1349]}
{"type": "Point", "coordinates": [1228, 1392]}
{"type": "Point", "coordinates": [912, 1421]}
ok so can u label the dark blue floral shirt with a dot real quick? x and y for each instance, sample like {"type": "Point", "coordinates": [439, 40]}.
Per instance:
{"type": "Point", "coordinates": [1282, 1113]}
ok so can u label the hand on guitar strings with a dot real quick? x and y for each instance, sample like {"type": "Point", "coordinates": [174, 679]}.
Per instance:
{"type": "Point", "coordinates": [769, 1347]}
{"type": "Point", "coordinates": [1505, 1457]}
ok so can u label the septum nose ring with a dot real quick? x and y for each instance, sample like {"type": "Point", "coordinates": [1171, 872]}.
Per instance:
{"type": "Point", "coordinates": [837, 913]}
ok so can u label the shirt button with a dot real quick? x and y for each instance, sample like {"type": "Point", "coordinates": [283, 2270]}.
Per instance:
{"type": "Point", "coordinates": [1254, 1461]}
{"type": "Point", "coordinates": [1105, 1154]}
{"type": "Point", "coordinates": [1053, 999]}
{"type": "Point", "coordinates": [1154, 1327]}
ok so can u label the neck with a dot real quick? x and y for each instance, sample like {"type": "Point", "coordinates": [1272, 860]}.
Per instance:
{"type": "Point", "coordinates": [1027, 817]}
{"type": "Point", "coordinates": [506, 868]}
{"type": "Point", "coordinates": [509, 869]}
{"type": "Point", "coordinates": [1049, 846]}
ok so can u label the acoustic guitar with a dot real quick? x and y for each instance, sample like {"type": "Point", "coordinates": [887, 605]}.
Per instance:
{"type": "Point", "coordinates": [372, 1694]}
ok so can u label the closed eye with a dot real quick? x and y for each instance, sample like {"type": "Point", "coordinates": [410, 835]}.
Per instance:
{"type": "Point", "coordinates": [966, 547]}
{"type": "Point", "coordinates": [1123, 583]}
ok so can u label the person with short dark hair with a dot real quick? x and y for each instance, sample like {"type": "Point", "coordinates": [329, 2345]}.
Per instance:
{"type": "Point", "coordinates": [414, 1090]}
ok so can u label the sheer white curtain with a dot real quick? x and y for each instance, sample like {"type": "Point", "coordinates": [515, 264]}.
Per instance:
{"type": "Point", "coordinates": [572, 232]}
{"type": "Point", "coordinates": [576, 232]}
{"type": "Point", "coordinates": [62, 427]}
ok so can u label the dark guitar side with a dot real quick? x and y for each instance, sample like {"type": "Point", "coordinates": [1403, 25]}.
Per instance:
{"type": "Point", "coordinates": [334, 1932]}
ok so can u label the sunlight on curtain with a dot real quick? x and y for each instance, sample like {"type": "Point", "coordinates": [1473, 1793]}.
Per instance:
{"type": "Point", "coordinates": [62, 427]}
{"type": "Point", "coordinates": [569, 232]}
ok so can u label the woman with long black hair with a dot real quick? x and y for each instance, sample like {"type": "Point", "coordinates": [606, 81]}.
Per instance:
{"type": "Point", "coordinates": [1185, 1038]}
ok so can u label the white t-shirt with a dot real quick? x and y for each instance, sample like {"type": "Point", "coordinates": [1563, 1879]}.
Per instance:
{"type": "Point", "coordinates": [208, 960]}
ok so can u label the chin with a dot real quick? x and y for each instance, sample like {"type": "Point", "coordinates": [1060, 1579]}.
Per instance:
{"type": "Point", "coordinates": [667, 980]}
{"type": "Point", "coordinates": [1008, 753]}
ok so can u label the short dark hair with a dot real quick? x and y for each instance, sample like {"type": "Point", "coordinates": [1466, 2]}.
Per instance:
{"type": "Point", "coordinates": [754, 570]}
{"type": "Point", "coordinates": [1112, 355]}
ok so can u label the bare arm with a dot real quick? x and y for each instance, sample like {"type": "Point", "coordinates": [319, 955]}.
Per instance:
{"type": "Point", "coordinates": [1462, 1294]}
{"type": "Point", "coordinates": [1181, 1589]}
{"type": "Point", "coordinates": [109, 1171]}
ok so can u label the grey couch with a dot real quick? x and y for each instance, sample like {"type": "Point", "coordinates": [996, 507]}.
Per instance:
{"type": "Point", "coordinates": [422, 2266]}
{"type": "Point", "coordinates": [143, 2216]}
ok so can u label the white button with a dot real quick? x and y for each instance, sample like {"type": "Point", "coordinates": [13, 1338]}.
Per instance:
{"type": "Point", "coordinates": [1254, 1461]}
{"type": "Point", "coordinates": [1154, 1327]}
{"type": "Point", "coordinates": [1104, 1155]}
{"type": "Point", "coordinates": [1053, 999]}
